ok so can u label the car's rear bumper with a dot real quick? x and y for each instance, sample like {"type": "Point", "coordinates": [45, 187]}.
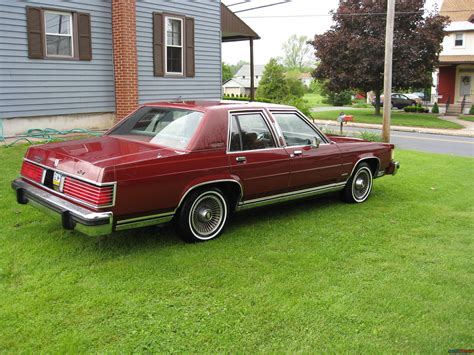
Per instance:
{"type": "Point", "coordinates": [71, 215]}
{"type": "Point", "coordinates": [392, 168]}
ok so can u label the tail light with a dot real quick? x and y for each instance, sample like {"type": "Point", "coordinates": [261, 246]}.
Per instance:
{"type": "Point", "coordinates": [32, 172]}
{"type": "Point", "coordinates": [98, 196]}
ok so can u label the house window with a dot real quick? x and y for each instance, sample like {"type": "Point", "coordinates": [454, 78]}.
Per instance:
{"type": "Point", "coordinates": [59, 34]}
{"type": "Point", "coordinates": [459, 40]}
{"type": "Point", "coordinates": [174, 45]}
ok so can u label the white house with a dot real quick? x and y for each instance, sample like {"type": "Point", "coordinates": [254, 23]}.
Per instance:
{"type": "Point", "coordinates": [240, 83]}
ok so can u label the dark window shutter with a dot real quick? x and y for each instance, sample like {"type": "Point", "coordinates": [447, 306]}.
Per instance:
{"type": "Point", "coordinates": [84, 36]}
{"type": "Point", "coordinates": [158, 57]}
{"type": "Point", "coordinates": [35, 32]}
{"type": "Point", "coordinates": [190, 67]}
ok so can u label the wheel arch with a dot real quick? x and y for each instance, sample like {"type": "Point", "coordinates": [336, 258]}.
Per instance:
{"type": "Point", "coordinates": [232, 188]}
{"type": "Point", "coordinates": [373, 161]}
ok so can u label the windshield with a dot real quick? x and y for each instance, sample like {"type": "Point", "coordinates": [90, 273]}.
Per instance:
{"type": "Point", "coordinates": [170, 127]}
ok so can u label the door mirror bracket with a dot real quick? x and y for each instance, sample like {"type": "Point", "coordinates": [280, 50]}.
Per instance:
{"type": "Point", "coordinates": [315, 142]}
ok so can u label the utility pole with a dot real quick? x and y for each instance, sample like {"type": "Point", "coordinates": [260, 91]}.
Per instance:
{"type": "Point", "coordinates": [387, 77]}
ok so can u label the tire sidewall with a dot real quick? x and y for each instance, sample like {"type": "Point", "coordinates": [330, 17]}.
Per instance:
{"type": "Point", "coordinates": [362, 167]}
{"type": "Point", "coordinates": [185, 226]}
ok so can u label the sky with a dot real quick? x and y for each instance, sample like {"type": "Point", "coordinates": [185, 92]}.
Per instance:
{"type": "Point", "coordinates": [275, 30]}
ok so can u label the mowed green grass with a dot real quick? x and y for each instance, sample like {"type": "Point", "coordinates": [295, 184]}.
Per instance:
{"type": "Point", "coordinates": [394, 274]}
{"type": "Point", "coordinates": [314, 100]}
{"type": "Point", "coordinates": [398, 118]}
{"type": "Point", "coordinates": [467, 118]}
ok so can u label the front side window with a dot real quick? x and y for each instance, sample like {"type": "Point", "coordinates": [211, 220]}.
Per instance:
{"type": "Point", "coordinates": [249, 132]}
{"type": "Point", "coordinates": [459, 40]}
{"type": "Point", "coordinates": [169, 127]}
{"type": "Point", "coordinates": [58, 31]}
{"type": "Point", "coordinates": [174, 45]}
{"type": "Point", "coordinates": [295, 130]}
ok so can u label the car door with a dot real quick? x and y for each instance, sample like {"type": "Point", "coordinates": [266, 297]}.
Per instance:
{"type": "Point", "coordinates": [256, 156]}
{"type": "Point", "coordinates": [310, 166]}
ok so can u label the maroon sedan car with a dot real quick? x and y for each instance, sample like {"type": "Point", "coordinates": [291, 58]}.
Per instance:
{"type": "Point", "coordinates": [195, 163]}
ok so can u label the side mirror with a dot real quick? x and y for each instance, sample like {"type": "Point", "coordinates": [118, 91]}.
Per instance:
{"type": "Point", "coordinates": [315, 142]}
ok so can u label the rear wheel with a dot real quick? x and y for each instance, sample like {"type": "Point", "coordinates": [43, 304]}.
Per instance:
{"type": "Point", "coordinates": [203, 215]}
{"type": "Point", "coordinates": [359, 186]}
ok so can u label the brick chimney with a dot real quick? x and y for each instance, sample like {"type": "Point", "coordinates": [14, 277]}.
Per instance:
{"type": "Point", "coordinates": [125, 56]}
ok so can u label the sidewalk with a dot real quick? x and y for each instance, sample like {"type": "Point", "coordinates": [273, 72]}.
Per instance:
{"type": "Point", "coordinates": [467, 131]}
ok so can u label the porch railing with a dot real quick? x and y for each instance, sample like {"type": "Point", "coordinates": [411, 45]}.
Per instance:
{"type": "Point", "coordinates": [463, 103]}
{"type": "Point", "coordinates": [447, 105]}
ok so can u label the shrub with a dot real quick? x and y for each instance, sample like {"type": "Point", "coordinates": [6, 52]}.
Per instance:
{"type": "Point", "coordinates": [435, 108]}
{"type": "Point", "coordinates": [370, 136]}
{"type": "Point", "coordinates": [299, 103]}
{"type": "Point", "coordinates": [419, 109]}
{"type": "Point", "coordinates": [471, 111]}
{"type": "Point", "coordinates": [339, 98]}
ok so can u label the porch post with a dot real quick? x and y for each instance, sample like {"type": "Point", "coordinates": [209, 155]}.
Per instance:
{"type": "Point", "coordinates": [252, 83]}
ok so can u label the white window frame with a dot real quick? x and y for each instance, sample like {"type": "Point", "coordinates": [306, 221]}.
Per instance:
{"type": "Point", "coordinates": [71, 33]}
{"type": "Point", "coordinates": [175, 46]}
{"type": "Point", "coordinates": [463, 40]}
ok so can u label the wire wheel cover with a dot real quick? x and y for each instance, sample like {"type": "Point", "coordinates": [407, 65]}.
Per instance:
{"type": "Point", "coordinates": [362, 184]}
{"type": "Point", "coordinates": [207, 214]}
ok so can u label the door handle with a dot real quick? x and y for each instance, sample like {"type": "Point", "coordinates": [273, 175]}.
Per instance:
{"type": "Point", "coordinates": [297, 152]}
{"type": "Point", "coordinates": [241, 159]}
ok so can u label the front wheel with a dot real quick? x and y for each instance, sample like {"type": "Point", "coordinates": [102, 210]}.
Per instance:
{"type": "Point", "coordinates": [202, 215]}
{"type": "Point", "coordinates": [359, 185]}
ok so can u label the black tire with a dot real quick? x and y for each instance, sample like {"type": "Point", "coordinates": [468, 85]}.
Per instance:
{"type": "Point", "coordinates": [203, 215]}
{"type": "Point", "coordinates": [359, 185]}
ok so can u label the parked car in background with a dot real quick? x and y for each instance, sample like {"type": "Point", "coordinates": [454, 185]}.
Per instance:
{"type": "Point", "coordinates": [414, 97]}
{"type": "Point", "coordinates": [398, 101]}
{"type": "Point", "coordinates": [195, 163]}
{"type": "Point", "coordinates": [421, 95]}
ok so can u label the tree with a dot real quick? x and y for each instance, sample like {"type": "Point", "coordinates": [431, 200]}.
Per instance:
{"type": "Point", "coordinates": [351, 53]}
{"type": "Point", "coordinates": [295, 86]}
{"type": "Point", "coordinates": [297, 53]}
{"type": "Point", "coordinates": [226, 72]}
{"type": "Point", "coordinates": [273, 84]}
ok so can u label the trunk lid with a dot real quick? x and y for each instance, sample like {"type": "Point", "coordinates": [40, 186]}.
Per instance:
{"type": "Point", "coordinates": [95, 158]}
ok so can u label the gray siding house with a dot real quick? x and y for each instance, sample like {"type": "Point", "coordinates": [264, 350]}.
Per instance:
{"type": "Point", "coordinates": [85, 64]}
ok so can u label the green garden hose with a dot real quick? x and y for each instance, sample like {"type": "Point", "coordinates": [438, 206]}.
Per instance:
{"type": "Point", "coordinates": [48, 134]}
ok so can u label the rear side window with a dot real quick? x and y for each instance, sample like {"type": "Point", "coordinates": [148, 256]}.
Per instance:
{"type": "Point", "coordinates": [249, 131]}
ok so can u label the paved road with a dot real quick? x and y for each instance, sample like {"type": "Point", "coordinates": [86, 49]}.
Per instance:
{"type": "Point", "coordinates": [433, 143]}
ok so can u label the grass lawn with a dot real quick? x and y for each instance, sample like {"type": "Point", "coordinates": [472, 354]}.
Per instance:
{"type": "Point", "coordinates": [394, 274]}
{"type": "Point", "coordinates": [314, 100]}
{"type": "Point", "coordinates": [398, 118]}
{"type": "Point", "coordinates": [467, 118]}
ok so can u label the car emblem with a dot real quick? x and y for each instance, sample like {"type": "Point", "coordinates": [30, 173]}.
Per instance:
{"type": "Point", "coordinates": [56, 163]}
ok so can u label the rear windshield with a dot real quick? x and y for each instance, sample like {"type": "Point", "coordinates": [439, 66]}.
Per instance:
{"type": "Point", "coordinates": [169, 127]}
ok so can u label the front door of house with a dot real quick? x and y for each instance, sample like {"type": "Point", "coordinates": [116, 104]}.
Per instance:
{"type": "Point", "coordinates": [466, 82]}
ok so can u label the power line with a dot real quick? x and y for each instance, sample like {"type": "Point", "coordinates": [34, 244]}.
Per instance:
{"type": "Point", "coordinates": [351, 14]}
{"type": "Point", "coordinates": [261, 7]}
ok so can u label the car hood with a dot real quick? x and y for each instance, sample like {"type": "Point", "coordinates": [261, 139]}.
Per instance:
{"type": "Point", "coordinates": [95, 158]}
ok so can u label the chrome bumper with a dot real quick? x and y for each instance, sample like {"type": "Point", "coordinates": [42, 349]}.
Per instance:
{"type": "Point", "coordinates": [392, 168]}
{"type": "Point", "coordinates": [71, 216]}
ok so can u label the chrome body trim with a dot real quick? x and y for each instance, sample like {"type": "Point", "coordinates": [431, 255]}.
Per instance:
{"type": "Point", "coordinates": [207, 183]}
{"type": "Point", "coordinates": [287, 196]}
{"type": "Point", "coordinates": [80, 218]}
{"type": "Point", "coordinates": [144, 221]}
{"type": "Point", "coordinates": [104, 184]}
{"type": "Point", "coordinates": [366, 158]}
